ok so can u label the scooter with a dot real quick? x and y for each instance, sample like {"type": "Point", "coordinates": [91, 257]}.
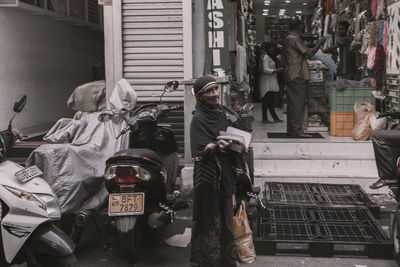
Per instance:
{"type": "Point", "coordinates": [28, 210]}
{"type": "Point", "coordinates": [136, 179]}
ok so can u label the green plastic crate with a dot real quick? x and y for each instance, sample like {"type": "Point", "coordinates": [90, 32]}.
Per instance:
{"type": "Point", "coordinates": [344, 100]}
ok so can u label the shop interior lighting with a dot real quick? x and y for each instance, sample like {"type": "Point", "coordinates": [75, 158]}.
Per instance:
{"type": "Point", "coordinates": [267, 3]}
{"type": "Point", "coordinates": [298, 12]}
{"type": "Point", "coordinates": [304, 4]}
{"type": "Point", "coordinates": [287, 1]}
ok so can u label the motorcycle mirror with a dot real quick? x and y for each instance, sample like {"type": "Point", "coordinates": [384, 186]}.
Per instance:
{"type": "Point", "coordinates": [171, 86]}
{"type": "Point", "coordinates": [20, 104]}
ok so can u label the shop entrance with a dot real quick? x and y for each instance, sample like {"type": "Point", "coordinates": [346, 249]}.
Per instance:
{"type": "Point", "coordinates": [338, 72]}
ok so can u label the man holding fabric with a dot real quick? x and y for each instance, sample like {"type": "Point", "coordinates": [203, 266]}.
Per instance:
{"type": "Point", "coordinates": [295, 54]}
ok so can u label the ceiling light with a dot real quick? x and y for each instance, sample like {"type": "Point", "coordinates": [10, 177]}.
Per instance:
{"type": "Point", "coordinates": [304, 4]}
{"type": "Point", "coordinates": [298, 12]}
{"type": "Point", "coordinates": [265, 10]}
{"type": "Point", "coordinates": [287, 1]}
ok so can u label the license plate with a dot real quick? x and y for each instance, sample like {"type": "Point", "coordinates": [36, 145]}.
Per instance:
{"type": "Point", "coordinates": [29, 173]}
{"type": "Point", "coordinates": [123, 204]}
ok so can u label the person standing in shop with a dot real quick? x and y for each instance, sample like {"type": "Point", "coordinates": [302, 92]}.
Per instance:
{"type": "Point", "coordinates": [346, 61]}
{"type": "Point", "coordinates": [295, 54]}
{"type": "Point", "coordinates": [269, 87]}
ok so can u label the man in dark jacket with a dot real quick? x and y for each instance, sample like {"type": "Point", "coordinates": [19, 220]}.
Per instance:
{"type": "Point", "coordinates": [295, 54]}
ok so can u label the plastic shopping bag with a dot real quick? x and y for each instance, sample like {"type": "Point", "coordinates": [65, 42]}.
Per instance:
{"type": "Point", "coordinates": [377, 123]}
{"type": "Point", "coordinates": [362, 130]}
{"type": "Point", "coordinates": [243, 236]}
{"type": "Point", "coordinates": [361, 109]}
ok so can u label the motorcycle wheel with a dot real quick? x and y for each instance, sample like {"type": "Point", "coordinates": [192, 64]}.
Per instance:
{"type": "Point", "coordinates": [396, 238]}
{"type": "Point", "coordinates": [129, 243]}
{"type": "Point", "coordinates": [171, 165]}
{"type": "Point", "coordinates": [52, 261]}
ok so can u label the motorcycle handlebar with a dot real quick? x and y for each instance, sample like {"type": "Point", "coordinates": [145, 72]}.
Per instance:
{"type": "Point", "coordinates": [123, 131]}
{"type": "Point", "coordinates": [130, 125]}
{"type": "Point", "coordinates": [177, 107]}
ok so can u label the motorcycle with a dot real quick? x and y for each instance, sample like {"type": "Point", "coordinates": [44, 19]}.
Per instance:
{"type": "Point", "coordinates": [28, 212]}
{"type": "Point", "coordinates": [138, 181]}
{"type": "Point", "coordinates": [395, 188]}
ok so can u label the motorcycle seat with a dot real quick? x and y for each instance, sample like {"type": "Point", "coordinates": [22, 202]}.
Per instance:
{"type": "Point", "coordinates": [142, 154]}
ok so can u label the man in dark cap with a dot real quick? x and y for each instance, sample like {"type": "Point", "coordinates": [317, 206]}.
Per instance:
{"type": "Point", "coordinates": [214, 181]}
{"type": "Point", "coordinates": [295, 54]}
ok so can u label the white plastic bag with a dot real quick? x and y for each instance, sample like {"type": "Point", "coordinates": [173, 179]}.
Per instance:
{"type": "Point", "coordinates": [362, 130]}
{"type": "Point", "coordinates": [375, 123]}
{"type": "Point", "coordinates": [361, 109]}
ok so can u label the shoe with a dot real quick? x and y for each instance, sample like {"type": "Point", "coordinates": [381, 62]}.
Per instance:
{"type": "Point", "coordinates": [382, 182]}
{"type": "Point", "coordinates": [278, 120]}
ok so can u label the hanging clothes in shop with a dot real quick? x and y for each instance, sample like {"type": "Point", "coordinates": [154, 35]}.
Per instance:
{"type": "Point", "coordinates": [381, 32]}
{"type": "Point", "coordinates": [380, 9]}
{"type": "Point", "coordinates": [240, 63]}
{"type": "Point", "coordinates": [366, 39]}
{"type": "Point", "coordinates": [374, 34]}
{"type": "Point", "coordinates": [330, 7]}
{"type": "Point", "coordinates": [371, 52]}
{"type": "Point", "coordinates": [379, 67]}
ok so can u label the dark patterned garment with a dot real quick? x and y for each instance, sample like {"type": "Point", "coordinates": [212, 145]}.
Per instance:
{"type": "Point", "coordinates": [212, 228]}
{"type": "Point", "coordinates": [214, 185]}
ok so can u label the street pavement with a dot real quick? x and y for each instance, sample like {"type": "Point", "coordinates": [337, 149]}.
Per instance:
{"type": "Point", "coordinates": [98, 249]}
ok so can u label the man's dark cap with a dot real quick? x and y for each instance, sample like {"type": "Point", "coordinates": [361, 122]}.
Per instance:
{"type": "Point", "coordinates": [204, 83]}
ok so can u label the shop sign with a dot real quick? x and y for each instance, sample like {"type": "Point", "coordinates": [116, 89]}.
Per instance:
{"type": "Point", "coordinates": [216, 35]}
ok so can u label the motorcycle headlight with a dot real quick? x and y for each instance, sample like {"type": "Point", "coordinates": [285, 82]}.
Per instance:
{"type": "Point", "coordinates": [44, 201]}
{"type": "Point", "coordinates": [52, 207]}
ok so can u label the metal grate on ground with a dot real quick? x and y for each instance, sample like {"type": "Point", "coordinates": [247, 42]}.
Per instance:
{"type": "Point", "coordinates": [318, 194]}
{"type": "Point", "coordinates": [319, 227]}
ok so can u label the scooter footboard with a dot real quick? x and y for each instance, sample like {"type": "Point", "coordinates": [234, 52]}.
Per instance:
{"type": "Point", "coordinates": [125, 223]}
{"type": "Point", "coordinates": [51, 240]}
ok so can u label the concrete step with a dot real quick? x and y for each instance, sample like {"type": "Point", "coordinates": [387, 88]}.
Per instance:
{"type": "Point", "coordinates": [259, 180]}
{"type": "Point", "coordinates": [327, 150]}
{"type": "Point", "coordinates": [316, 168]}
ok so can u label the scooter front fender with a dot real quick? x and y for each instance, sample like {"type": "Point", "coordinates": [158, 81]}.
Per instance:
{"type": "Point", "coordinates": [51, 240]}
{"type": "Point", "coordinates": [125, 223]}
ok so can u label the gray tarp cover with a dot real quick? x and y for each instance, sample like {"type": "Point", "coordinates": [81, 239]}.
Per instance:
{"type": "Point", "coordinates": [74, 161]}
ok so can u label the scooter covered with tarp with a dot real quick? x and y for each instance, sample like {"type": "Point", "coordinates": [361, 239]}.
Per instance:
{"type": "Point", "coordinates": [73, 161]}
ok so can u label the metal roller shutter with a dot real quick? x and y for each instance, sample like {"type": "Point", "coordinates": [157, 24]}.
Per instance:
{"type": "Point", "coordinates": [153, 52]}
